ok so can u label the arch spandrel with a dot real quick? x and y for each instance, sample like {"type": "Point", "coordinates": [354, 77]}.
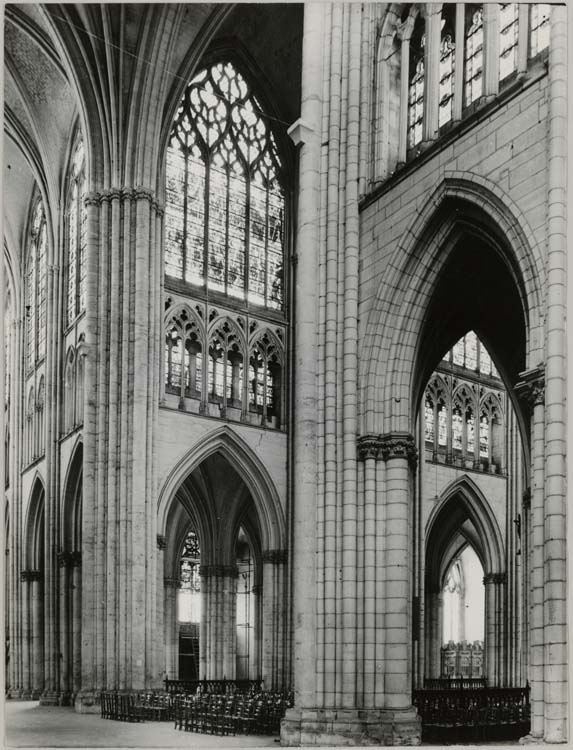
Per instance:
{"type": "Point", "coordinates": [404, 297]}
{"type": "Point", "coordinates": [250, 469]}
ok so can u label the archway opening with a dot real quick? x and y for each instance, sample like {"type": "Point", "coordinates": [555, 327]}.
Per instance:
{"type": "Point", "coordinates": [213, 576]}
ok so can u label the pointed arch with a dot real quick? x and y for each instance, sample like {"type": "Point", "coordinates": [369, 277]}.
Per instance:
{"type": "Point", "coordinates": [72, 501]}
{"type": "Point", "coordinates": [248, 466]}
{"type": "Point", "coordinates": [463, 500]}
{"type": "Point", "coordinates": [397, 362]}
{"type": "Point", "coordinates": [34, 526]}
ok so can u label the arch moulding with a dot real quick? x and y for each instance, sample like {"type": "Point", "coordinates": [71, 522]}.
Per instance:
{"type": "Point", "coordinates": [229, 444]}
{"type": "Point", "coordinates": [398, 312]}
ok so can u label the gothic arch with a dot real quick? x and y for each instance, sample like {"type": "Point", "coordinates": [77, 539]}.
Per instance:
{"type": "Point", "coordinates": [477, 208]}
{"type": "Point", "coordinates": [462, 500]}
{"type": "Point", "coordinates": [72, 501]}
{"type": "Point", "coordinates": [34, 535]}
{"type": "Point", "coordinates": [249, 467]}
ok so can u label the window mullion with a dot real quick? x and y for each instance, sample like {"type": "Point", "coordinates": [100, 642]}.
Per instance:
{"type": "Point", "coordinates": [78, 243]}
{"type": "Point", "coordinates": [227, 209]}
{"type": "Point", "coordinates": [246, 280]}
{"type": "Point", "coordinates": [185, 201]}
{"type": "Point", "coordinates": [206, 221]}
{"type": "Point", "coordinates": [267, 246]}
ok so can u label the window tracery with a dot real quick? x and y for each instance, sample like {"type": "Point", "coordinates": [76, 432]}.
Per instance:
{"type": "Point", "coordinates": [30, 426]}
{"type": "Point", "coordinates": [265, 366]}
{"type": "Point", "coordinates": [76, 222]}
{"type": "Point", "coordinates": [226, 366]}
{"type": "Point", "coordinates": [35, 292]}
{"type": "Point", "coordinates": [446, 93]}
{"type": "Point", "coordinates": [225, 202]}
{"type": "Point", "coordinates": [39, 427]}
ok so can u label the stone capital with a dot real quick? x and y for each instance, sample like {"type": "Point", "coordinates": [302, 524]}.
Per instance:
{"type": "Point", "coordinates": [399, 445]}
{"type": "Point", "coordinates": [275, 556]}
{"type": "Point", "coordinates": [531, 387]}
{"type": "Point", "coordinates": [76, 558]}
{"type": "Point", "coordinates": [369, 446]}
{"type": "Point", "coordinates": [527, 497]}
{"type": "Point", "coordinates": [31, 575]}
{"type": "Point", "coordinates": [161, 541]}
{"type": "Point", "coordinates": [218, 571]}
{"type": "Point", "coordinates": [64, 559]}
{"type": "Point", "coordinates": [172, 583]}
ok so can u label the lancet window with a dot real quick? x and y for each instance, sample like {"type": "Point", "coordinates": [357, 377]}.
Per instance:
{"type": "Point", "coordinates": [416, 84]}
{"type": "Point", "coordinates": [39, 439]}
{"type": "Point", "coordinates": [447, 63]}
{"type": "Point", "coordinates": [473, 78]}
{"type": "Point", "coordinates": [508, 15]}
{"type": "Point", "coordinates": [265, 368]}
{"type": "Point", "coordinates": [539, 28]}
{"type": "Point", "coordinates": [36, 287]}
{"type": "Point", "coordinates": [184, 356]}
{"type": "Point", "coordinates": [225, 200]}
{"type": "Point", "coordinates": [76, 218]}
{"type": "Point", "coordinates": [29, 455]}
{"type": "Point", "coordinates": [189, 594]}
{"type": "Point", "coordinates": [226, 366]}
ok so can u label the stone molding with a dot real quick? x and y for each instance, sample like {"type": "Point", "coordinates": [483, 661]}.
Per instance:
{"type": "Point", "coordinates": [161, 541]}
{"type": "Point", "coordinates": [172, 583]}
{"type": "Point", "coordinates": [31, 575]}
{"type": "Point", "coordinates": [98, 198]}
{"type": "Point", "coordinates": [218, 571]}
{"type": "Point", "coordinates": [495, 578]}
{"type": "Point", "coordinates": [369, 446]}
{"type": "Point", "coordinates": [399, 445]}
{"type": "Point", "coordinates": [531, 387]}
{"type": "Point", "coordinates": [388, 446]}
{"type": "Point", "coordinates": [275, 556]}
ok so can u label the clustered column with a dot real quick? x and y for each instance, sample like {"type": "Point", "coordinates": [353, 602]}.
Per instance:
{"type": "Point", "coordinates": [218, 636]}
{"type": "Point", "coordinates": [274, 616]}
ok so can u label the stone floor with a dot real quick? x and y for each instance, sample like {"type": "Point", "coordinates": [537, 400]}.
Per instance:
{"type": "Point", "coordinates": [29, 725]}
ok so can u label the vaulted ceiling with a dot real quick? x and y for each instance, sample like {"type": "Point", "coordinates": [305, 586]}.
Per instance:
{"type": "Point", "coordinates": [112, 69]}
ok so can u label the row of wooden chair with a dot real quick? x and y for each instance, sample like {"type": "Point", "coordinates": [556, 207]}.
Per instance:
{"type": "Point", "coordinates": [142, 706]}
{"type": "Point", "coordinates": [232, 714]}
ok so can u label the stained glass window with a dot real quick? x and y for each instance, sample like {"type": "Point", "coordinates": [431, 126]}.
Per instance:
{"type": "Point", "coordinates": [189, 595]}
{"type": "Point", "coordinates": [485, 363]}
{"type": "Point", "coordinates": [36, 288]}
{"type": "Point", "coordinates": [471, 351]}
{"type": "Point", "coordinates": [265, 370]}
{"type": "Point", "coordinates": [442, 425]}
{"type": "Point", "coordinates": [538, 28]}
{"type": "Point", "coordinates": [457, 429]}
{"type": "Point", "coordinates": [225, 202]}
{"type": "Point", "coordinates": [507, 39]}
{"type": "Point", "coordinates": [459, 354]}
{"type": "Point", "coordinates": [474, 59]}
{"type": "Point", "coordinates": [446, 79]}
{"type": "Point", "coordinates": [484, 437]}
{"type": "Point", "coordinates": [76, 235]}
{"type": "Point", "coordinates": [429, 421]}
{"type": "Point", "coordinates": [416, 105]}
{"type": "Point", "coordinates": [470, 426]}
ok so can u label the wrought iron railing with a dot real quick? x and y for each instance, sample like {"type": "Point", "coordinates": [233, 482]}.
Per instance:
{"type": "Point", "coordinates": [220, 687]}
{"type": "Point", "coordinates": [473, 714]}
{"type": "Point", "coordinates": [454, 683]}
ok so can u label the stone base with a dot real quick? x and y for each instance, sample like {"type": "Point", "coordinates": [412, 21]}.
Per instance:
{"type": "Point", "coordinates": [351, 727]}
{"type": "Point", "coordinates": [50, 699]}
{"type": "Point", "coordinates": [87, 702]}
{"type": "Point", "coordinates": [530, 739]}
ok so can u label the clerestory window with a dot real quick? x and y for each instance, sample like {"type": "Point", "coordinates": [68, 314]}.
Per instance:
{"type": "Point", "coordinates": [36, 287]}
{"type": "Point", "coordinates": [538, 28]}
{"type": "Point", "coordinates": [76, 235]}
{"type": "Point", "coordinates": [225, 201]}
{"type": "Point", "coordinates": [473, 77]}
{"type": "Point", "coordinates": [508, 16]}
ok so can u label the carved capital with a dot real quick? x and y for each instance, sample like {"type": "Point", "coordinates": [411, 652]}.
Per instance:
{"type": "Point", "coordinates": [161, 542]}
{"type": "Point", "coordinates": [275, 556]}
{"type": "Point", "coordinates": [31, 575]}
{"type": "Point", "coordinates": [76, 559]}
{"type": "Point", "coordinates": [399, 445]}
{"type": "Point", "coordinates": [531, 387]}
{"type": "Point", "coordinates": [257, 590]}
{"type": "Point", "coordinates": [496, 578]}
{"type": "Point", "coordinates": [64, 559]}
{"type": "Point", "coordinates": [369, 446]}
{"type": "Point", "coordinates": [527, 497]}
{"type": "Point", "coordinates": [218, 571]}
{"type": "Point", "coordinates": [172, 583]}
{"type": "Point", "coordinates": [142, 193]}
